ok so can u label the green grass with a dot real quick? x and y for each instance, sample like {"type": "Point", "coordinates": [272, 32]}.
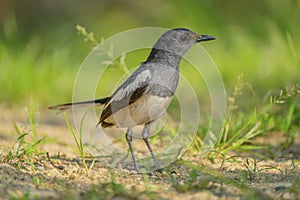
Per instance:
{"type": "Point", "coordinates": [32, 75]}
{"type": "Point", "coordinates": [37, 68]}
{"type": "Point", "coordinates": [26, 146]}
{"type": "Point", "coordinates": [81, 149]}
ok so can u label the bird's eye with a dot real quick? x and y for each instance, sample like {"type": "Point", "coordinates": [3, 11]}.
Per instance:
{"type": "Point", "coordinates": [183, 38]}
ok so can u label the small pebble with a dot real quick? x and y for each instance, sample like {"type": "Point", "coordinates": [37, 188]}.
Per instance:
{"type": "Point", "coordinates": [41, 168]}
{"type": "Point", "coordinates": [279, 188]}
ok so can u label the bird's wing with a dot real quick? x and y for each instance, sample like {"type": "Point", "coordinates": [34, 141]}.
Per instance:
{"type": "Point", "coordinates": [129, 92]}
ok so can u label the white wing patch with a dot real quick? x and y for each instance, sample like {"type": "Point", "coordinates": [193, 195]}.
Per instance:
{"type": "Point", "coordinates": [123, 92]}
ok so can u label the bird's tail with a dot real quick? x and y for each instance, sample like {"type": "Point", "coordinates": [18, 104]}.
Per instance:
{"type": "Point", "coordinates": [67, 106]}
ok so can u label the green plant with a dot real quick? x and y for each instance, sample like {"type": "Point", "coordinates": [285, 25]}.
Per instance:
{"type": "Point", "coordinates": [24, 196]}
{"type": "Point", "coordinates": [286, 112]}
{"type": "Point", "coordinates": [239, 126]}
{"type": "Point", "coordinates": [31, 112]}
{"type": "Point", "coordinates": [23, 149]}
{"type": "Point", "coordinates": [89, 37]}
{"type": "Point", "coordinates": [77, 136]}
{"type": "Point", "coordinates": [242, 125]}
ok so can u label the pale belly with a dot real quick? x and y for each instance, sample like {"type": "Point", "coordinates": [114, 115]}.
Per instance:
{"type": "Point", "coordinates": [144, 110]}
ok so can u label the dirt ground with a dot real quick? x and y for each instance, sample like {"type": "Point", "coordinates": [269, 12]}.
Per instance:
{"type": "Point", "coordinates": [62, 175]}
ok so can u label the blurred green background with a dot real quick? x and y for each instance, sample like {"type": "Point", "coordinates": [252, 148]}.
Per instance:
{"type": "Point", "coordinates": [40, 50]}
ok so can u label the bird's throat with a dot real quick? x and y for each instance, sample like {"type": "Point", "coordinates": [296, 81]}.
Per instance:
{"type": "Point", "coordinates": [164, 57]}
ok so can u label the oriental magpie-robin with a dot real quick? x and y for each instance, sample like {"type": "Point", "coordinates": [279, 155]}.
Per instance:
{"type": "Point", "coordinates": [147, 93]}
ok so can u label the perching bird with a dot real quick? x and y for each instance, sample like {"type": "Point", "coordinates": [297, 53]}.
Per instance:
{"type": "Point", "coordinates": [147, 93]}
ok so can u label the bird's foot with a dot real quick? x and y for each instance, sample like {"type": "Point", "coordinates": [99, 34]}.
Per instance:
{"type": "Point", "coordinates": [157, 166]}
{"type": "Point", "coordinates": [136, 167]}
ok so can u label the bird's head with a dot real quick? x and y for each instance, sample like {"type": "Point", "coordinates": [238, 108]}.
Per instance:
{"type": "Point", "coordinates": [179, 40]}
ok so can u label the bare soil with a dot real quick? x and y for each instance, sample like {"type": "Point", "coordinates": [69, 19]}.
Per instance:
{"type": "Point", "coordinates": [62, 175]}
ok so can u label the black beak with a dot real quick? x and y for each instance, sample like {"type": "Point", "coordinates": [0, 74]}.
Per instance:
{"type": "Point", "coordinates": [202, 38]}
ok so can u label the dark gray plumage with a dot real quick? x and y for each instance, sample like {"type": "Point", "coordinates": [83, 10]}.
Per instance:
{"type": "Point", "coordinates": [147, 93]}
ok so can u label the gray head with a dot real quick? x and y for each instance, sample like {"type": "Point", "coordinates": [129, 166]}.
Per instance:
{"type": "Point", "coordinates": [177, 42]}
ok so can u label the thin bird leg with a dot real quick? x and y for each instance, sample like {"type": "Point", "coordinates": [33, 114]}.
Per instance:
{"type": "Point", "coordinates": [129, 141]}
{"type": "Point", "coordinates": [145, 135]}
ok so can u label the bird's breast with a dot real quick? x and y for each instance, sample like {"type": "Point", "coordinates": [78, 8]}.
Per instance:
{"type": "Point", "coordinates": [145, 109]}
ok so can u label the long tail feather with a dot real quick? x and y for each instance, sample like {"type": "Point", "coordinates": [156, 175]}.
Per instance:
{"type": "Point", "coordinates": [67, 106]}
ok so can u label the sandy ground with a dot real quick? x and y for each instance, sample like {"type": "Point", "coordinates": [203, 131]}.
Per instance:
{"type": "Point", "coordinates": [62, 175]}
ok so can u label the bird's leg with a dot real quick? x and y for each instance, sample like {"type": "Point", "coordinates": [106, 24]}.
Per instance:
{"type": "Point", "coordinates": [129, 141]}
{"type": "Point", "coordinates": [145, 135]}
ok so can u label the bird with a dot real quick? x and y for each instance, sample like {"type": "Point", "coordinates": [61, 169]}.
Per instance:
{"type": "Point", "coordinates": [148, 91]}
